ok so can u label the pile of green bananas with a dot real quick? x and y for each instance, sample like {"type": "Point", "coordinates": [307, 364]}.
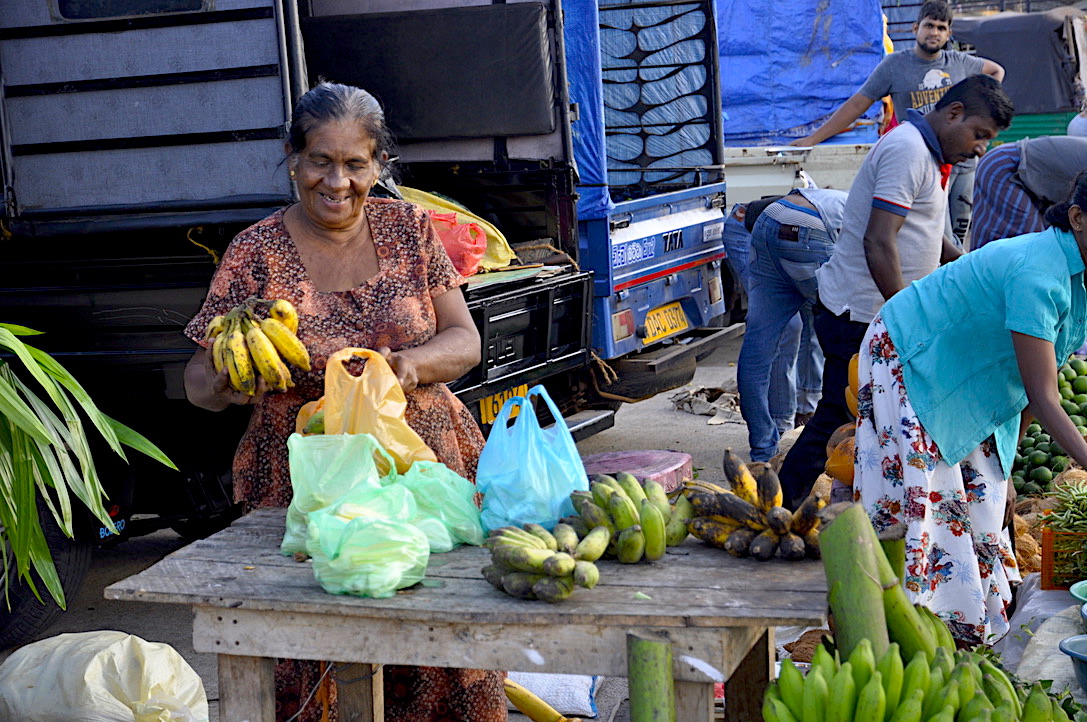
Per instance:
{"type": "Point", "coordinates": [639, 520]}
{"type": "Point", "coordinates": [533, 563]}
{"type": "Point", "coordinates": [246, 345]}
{"type": "Point", "coordinates": [748, 519]}
{"type": "Point", "coordinates": [946, 686]}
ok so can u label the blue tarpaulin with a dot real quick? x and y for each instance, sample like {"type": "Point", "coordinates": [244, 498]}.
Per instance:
{"type": "Point", "coordinates": [582, 39]}
{"type": "Point", "coordinates": [787, 65]}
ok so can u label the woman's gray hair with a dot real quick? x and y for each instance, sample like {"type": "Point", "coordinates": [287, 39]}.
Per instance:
{"type": "Point", "coordinates": [334, 102]}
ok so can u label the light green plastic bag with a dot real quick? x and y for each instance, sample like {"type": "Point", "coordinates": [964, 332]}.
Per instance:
{"type": "Point", "coordinates": [323, 469]}
{"type": "Point", "coordinates": [365, 556]}
{"type": "Point", "coordinates": [446, 503]}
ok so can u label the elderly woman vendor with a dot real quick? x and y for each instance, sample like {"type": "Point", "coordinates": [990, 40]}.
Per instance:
{"type": "Point", "coordinates": [362, 272]}
{"type": "Point", "coordinates": [950, 371]}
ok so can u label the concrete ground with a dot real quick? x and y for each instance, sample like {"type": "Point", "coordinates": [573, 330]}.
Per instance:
{"type": "Point", "coordinates": [650, 424]}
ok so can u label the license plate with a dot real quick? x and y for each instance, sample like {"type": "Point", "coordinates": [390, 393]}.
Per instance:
{"type": "Point", "coordinates": [491, 405]}
{"type": "Point", "coordinates": [664, 321]}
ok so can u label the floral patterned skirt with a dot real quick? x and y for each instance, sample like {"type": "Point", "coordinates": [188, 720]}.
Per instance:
{"type": "Point", "coordinates": [959, 561]}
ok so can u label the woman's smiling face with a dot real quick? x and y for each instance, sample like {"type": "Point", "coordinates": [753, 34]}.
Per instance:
{"type": "Point", "coordinates": [334, 174]}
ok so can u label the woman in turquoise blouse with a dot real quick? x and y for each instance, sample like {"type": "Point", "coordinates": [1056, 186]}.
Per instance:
{"type": "Point", "coordinates": [949, 371]}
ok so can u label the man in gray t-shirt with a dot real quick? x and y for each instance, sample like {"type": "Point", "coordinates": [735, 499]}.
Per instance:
{"type": "Point", "coordinates": [917, 79]}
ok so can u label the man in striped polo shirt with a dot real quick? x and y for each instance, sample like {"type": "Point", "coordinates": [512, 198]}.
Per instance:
{"type": "Point", "coordinates": [1017, 182]}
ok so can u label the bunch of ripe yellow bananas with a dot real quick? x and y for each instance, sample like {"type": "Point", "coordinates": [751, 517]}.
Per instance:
{"type": "Point", "coordinates": [748, 518]}
{"type": "Point", "coordinates": [638, 519]}
{"type": "Point", "coordinates": [246, 345]}
{"type": "Point", "coordinates": [531, 562]}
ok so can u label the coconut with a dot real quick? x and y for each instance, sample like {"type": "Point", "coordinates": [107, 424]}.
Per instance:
{"type": "Point", "coordinates": [1070, 477]}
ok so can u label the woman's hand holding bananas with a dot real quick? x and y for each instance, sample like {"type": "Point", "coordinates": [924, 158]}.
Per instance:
{"type": "Point", "coordinates": [248, 356]}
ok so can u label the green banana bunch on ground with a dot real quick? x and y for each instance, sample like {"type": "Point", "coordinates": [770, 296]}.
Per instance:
{"type": "Point", "coordinates": [636, 520]}
{"type": "Point", "coordinates": [947, 686]}
{"type": "Point", "coordinates": [531, 562]}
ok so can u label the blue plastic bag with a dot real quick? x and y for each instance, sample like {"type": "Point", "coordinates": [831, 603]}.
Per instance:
{"type": "Point", "coordinates": [526, 473]}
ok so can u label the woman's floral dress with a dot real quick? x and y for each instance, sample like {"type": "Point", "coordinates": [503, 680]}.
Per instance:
{"type": "Point", "coordinates": [959, 561]}
{"type": "Point", "coordinates": [393, 308]}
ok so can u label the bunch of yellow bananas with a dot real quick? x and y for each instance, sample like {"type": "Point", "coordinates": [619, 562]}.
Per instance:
{"type": "Point", "coordinates": [938, 683]}
{"type": "Point", "coordinates": [531, 562]}
{"type": "Point", "coordinates": [246, 345]}
{"type": "Point", "coordinates": [638, 519]}
{"type": "Point", "coordinates": [748, 519]}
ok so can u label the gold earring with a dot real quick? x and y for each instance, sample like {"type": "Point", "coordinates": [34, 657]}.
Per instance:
{"type": "Point", "coordinates": [292, 174]}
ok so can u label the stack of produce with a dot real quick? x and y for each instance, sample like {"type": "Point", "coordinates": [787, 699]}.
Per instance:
{"type": "Point", "coordinates": [893, 660]}
{"type": "Point", "coordinates": [534, 563]}
{"type": "Point", "coordinates": [1067, 526]}
{"type": "Point", "coordinates": [748, 519]}
{"type": "Point", "coordinates": [248, 346]}
{"type": "Point", "coordinates": [1039, 459]}
{"type": "Point", "coordinates": [637, 517]}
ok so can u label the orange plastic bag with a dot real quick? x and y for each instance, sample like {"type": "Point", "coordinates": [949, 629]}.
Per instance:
{"type": "Point", "coordinates": [466, 243]}
{"type": "Point", "coordinates": [372, 403]}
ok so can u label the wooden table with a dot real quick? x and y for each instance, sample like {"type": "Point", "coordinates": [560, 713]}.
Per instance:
{"type": "Point", "coordinates": [251, 604]}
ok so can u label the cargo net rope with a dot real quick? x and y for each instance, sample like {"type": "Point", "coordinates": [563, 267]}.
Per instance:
{"type": "Point", "coordinates": [660, 97]}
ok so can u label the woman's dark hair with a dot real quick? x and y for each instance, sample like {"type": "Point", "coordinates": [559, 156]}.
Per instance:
{"type": "Point", "coordinates": [1057, 214]}
{"type": "Point", "coordinates": [329, 102]}
{"type": "Point", "coordinates": [980, 95]}
{"type": "Point", "coordinates": [935, 9]}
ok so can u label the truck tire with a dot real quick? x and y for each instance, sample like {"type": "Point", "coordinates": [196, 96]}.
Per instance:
{"type": "Point", "coordinates": [27, 617]}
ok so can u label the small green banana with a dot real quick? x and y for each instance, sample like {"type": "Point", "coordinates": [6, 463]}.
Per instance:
{"type": "Point", "coordinates": [815, 696]}
{"type": "Point", "coordinates": [791, 687]}
{"type": "Point", "coordinates": [892, 671]}
{"type": "Point", "coordinates": [871, 701]}
{"type": "Point", "coordinates": [842, 695]}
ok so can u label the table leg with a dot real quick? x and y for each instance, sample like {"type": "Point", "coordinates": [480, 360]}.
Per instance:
{"type": "Point", "coordinates": [360, 692]}
{"type": "Point", "coordinates": [247, 688]}
{"type": "Point", "coordinates": [745, 688]}
{"type": "Point", "coordinates": [694, 701]}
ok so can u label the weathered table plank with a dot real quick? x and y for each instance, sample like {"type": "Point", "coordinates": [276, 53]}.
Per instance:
{"type": "Point", "coordinates": [250, 601]}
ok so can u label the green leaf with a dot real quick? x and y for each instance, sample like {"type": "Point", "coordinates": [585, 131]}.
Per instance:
{"type": "Point", "coordinates": [138, 441]}
{"type": "Point", "coordinates": [12, 407]}
{"type": "Point", "coordinates": [18, 330]}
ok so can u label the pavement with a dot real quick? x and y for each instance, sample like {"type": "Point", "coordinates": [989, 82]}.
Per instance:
{"type": "Point", "coordinates": [649, 424]}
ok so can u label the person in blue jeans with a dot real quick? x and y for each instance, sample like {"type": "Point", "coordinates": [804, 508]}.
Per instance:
{"type": "Point", "coordinates": [791, 238]}
{"type": "Point", "coordinates": [797, 370]}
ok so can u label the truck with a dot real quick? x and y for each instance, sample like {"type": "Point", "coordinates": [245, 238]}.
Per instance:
{"type": "Point", "coordinates": [588, 133]}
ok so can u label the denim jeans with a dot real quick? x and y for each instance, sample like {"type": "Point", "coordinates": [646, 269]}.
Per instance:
{"type": "Point", "coordinates": [783, 265]}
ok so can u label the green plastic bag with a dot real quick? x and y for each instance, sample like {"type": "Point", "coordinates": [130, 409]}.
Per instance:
{"type": "Point", "coordinates": [447, 511]}
{"type": "Point", "coordinates": [323, 469]}
{"type": "Point", "coordinates": [365, 556]}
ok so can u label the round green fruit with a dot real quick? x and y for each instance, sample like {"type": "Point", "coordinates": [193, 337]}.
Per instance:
{"type": "Point", "coordinates": [1068, 373]}
{"type": "Point", "coordinates": [1031, 489]}
{"type": "Point", "coordinates": [1067, 392]}
{"type": "Point", "coordinates": [1037, 458]}
{"type": "Point", "coordinates": [1058, 464]}
{"type": "Point", "coordinates": [1041, 475]}
{"type": "Point", "coordinates": [1079, 385]}
{"type": "Point", "coordinates": [1034, 429]}
{"type": "Point", "coordinates": [1079, 366]}
{"type": "Point", "coordinates": [1070, 407]}
{"type": "Point", "coordinates": [1027, 443]}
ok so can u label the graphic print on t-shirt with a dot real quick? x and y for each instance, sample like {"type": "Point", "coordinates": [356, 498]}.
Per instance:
{"type": "Point", "coordinates": [933, 86]}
